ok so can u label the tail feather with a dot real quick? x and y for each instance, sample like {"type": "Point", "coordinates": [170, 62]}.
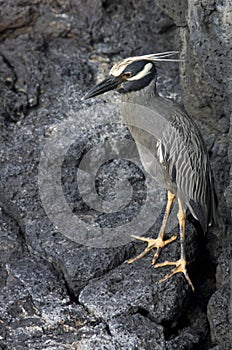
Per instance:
{"type": "Point", "coordinates": [207, 213]}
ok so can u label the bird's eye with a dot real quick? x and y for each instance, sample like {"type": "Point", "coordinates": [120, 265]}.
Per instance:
{"type": "Point", "coordinates": [127, 75]}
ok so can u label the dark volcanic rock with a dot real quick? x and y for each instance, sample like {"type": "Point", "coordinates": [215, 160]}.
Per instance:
{"type": "Point", "coordinates": [219, 314]}
{"type": "Point", "coordinates": [35, 310]}
{"type": "Point", "coordinates": [64, 283]}
{"type": "Point", "coordinates": [130, 288]}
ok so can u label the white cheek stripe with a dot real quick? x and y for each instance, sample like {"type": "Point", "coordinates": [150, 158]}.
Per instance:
{"type": "Point", "coordinates": [143, 73]}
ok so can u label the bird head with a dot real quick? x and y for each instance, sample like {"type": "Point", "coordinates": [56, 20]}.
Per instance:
{"type": "Point", "coordinates": [131, 74]}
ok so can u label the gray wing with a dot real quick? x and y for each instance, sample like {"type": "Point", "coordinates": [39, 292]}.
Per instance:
{"type": "Point", "coordinates": [186, 167]}
{"type": "Point", "coordinates": [172, 150]}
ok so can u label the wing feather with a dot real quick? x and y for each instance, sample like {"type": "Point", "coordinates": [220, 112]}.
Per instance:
{"type": "Point", "coordinates": [185, 150]}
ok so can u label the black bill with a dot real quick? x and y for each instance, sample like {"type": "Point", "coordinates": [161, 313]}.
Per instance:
{"type": "Point", "coordinates": [108, 84]}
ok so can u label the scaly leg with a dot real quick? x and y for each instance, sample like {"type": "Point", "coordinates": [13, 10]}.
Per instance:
{"type": "Point", "coordinates": [181, 263]}
{"type": "Point", "coordinates": [159, 242]}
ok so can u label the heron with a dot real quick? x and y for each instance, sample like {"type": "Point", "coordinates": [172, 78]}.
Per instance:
{"type": "Point", "coordinates": [177, 155]}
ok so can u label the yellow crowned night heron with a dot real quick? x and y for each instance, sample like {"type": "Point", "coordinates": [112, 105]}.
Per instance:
{"type": "Point", "coordinates": [178, 149]}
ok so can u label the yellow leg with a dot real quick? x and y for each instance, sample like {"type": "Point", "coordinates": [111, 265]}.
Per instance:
{"type": "Point", "coordinates": [159, 242]}
{"type": "Point", "coordinates": [181, 263]}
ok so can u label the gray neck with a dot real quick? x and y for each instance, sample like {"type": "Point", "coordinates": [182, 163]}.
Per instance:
{"type": "Point", "coordinates": [143, 96]}
{"type": "Point", "coordinates": [149, 98]}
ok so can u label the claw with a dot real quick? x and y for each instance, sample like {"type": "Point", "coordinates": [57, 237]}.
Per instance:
{"type": "Point", "coordinates": [152, 243]}
{"type": "Point", "coordinates": [180, 267]}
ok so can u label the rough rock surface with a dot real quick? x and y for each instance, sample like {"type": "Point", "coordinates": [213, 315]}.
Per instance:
{"type": "Point", "coordinates": [55, 291]}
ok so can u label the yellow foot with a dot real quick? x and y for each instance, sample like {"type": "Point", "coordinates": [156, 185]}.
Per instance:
{"type": "Point", "coordinates": [180, 267]}
{"type": "Point", "coordinates": [158, 243]}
